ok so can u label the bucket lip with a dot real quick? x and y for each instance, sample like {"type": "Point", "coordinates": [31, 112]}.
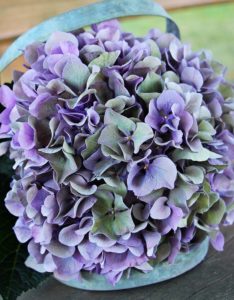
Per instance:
{"type": "Point", "coordinates": [184, 262]}
{"type": "Point", "coordinates": [85, 16]}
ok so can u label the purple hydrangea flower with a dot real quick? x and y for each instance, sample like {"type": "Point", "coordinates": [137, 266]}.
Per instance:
{"type": "Point", "coordinates": [173, 124]}
{"type": "Point", "coordinates": [146, 176]}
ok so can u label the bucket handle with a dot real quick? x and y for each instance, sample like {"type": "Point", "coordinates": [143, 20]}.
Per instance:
{"type": "Point", "coordinates": [85, 16]}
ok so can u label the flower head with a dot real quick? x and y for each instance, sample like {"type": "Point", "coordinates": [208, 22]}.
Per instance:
{"type": "Point", "coordinates": [122, 150]}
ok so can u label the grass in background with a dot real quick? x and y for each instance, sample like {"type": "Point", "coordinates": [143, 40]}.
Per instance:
{"type": "Point", "coordinates": [208, 27]}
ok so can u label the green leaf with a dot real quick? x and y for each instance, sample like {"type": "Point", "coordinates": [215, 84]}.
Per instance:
{"type": "Point", "coordinates": [226, 90]}
{"type": "Point", "coordinates": [15, 277]}
{"type": "Point", "coordinates": [104, 203]}
{"type": "Point", "coordinates": [206, 131]}
{"type": "Point", "coordinates": [204, 113]}
{"type": "Point", "coordinates": [124, 124]}
{"type": "Point", "coordinates": [119, 103]}
{"type": "Point", "coordinates": [142, 134]}
{"type": "Point", "coordinates": [109, 139]}
{"type": "Point", "coordinates": [202, 155]}
{"type": "Point", "coordinates": [112, 141]}
{"type": "Point", "coordinates": [182, 193]}
{"type": "Point", "coordinates": [106, 59]}
{"type": "Point", "coordinates": [111, 216]}
{"type": "Point", "coordinates": [62, 161]}
{"type": "Point", "coordinates": [155, 51]}
{"type": "Point", "coordinates": [150, 62]}
{"type": "Point", "coordinates": [91, 144]}
{"type": "Point", "coordinates": [122, 223]}
{"type": "Point", "coordinates": [215, 213]}
{"type": "Point", "coordinates": [151, 87]}
{"type": "Point", "coordinates": [218, 68]}
{"type": "Point", "coordinates": [117, 186]}
{"type": "Point", "coordinates": [76, 74]}
{"type": "Point", "coordinates": [193, 174]}
{"type": "Point", "coordinates": [193, 103]}
{"type": "Point", "coordinates": [163, 252]}
{"type": "Point", "coordinates": [171, 77]}
{"type": "Point", "coordinates": [81, 186]}
{"type": "Point", "coordinates": [202, 203]}
{"type": "Point", "coordinates": [206, 186]}
{"type": "Point", "coordinates": [103, 165]}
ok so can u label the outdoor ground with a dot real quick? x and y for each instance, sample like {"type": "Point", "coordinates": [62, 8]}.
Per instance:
{"type": "Point", "coordinates": [210, 27]}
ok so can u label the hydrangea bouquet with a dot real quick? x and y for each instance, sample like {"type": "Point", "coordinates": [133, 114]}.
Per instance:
{"type": "Point", "coordinates": [123, 151]}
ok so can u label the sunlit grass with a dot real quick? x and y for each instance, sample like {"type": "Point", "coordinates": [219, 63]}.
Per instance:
{"type": "Point", "coordinates": [210, 27]}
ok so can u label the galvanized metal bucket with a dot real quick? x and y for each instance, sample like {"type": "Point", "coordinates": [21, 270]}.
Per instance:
{"type": "Point", "coordinates": [71, 21]}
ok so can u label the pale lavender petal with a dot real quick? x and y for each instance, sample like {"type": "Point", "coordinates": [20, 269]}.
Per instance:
{"type": "Point", "coordinates": [26, 136]}
{"type": "Point", "coordinates": [193, 77]}
{"type": "Point", "coordinates": [218, 241]}
{"type": "Point", "coordinates": [160, 210]}
{"type": "Point", "coordinates": [22, 230]}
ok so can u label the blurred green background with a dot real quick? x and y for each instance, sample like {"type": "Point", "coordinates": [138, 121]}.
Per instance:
{"type": "Point", "coordinates": [206, 27]}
